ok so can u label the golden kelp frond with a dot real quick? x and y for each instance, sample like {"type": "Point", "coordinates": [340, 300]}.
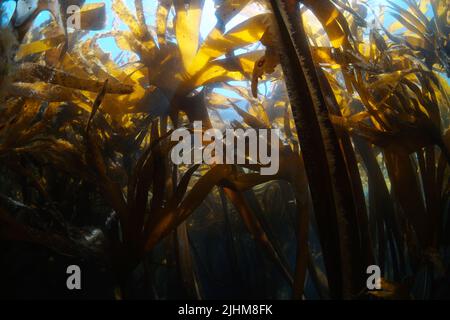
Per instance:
{"type": "Point", "coordinates": [138, 30]}
{"type": "Point", "coordinates": [427, 35]}
{"type": "Point", "coordinates": [332, 21]}
{"type": "Point", "coordinates": [267, 63]}
{"type": "Point", "coordinates": [39, 46]}
{"type": "Point", "coordinates": [31, 71]}
{"type": "Point", "coordinates": [92, 17]}
{"type": "Point", "coordinates": [187, 29]}
{"type": "Point", "coordinates": [236, 68]}
{"type": "Point", "coordinates": [162, 14]}
{"type": "Point", "coordinates": [217, 43]}
{"type": "Point", "coordinates": [165, 64]}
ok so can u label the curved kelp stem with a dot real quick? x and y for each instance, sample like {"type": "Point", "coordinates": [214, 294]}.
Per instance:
{"type": "Point", "coordinates": [329, 182]}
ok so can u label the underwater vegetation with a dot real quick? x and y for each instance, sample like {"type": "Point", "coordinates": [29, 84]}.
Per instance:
{"type": "Point", "coordinates": [359, 91]}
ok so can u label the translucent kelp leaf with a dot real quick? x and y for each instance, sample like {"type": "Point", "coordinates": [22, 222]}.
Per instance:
{"type": "Point", "coordinates": [265, 65]}
{"type": "Point", "coordinates": [162, 14]}
{"type": "Point", "coordinates": [236, 68]}
{"type": "Point", "coordinates": [218, 43]}
{"type": "Point", "coordinates": [187, 29]}
{"type": "Point", "coordinates": [39, 46]}
{"type": "Point", "coordinates": [332, 20]}
{"type": "Point", "coordinates": [127, 17]}
{"type": "Point", "coordinates": [30, 71]}
{"type": "Point", "coordinates": [408, 19]}
{"type": "Point", "coordinates": [92, 17]}
{"type": "Point", "coordinates": [42, 91]}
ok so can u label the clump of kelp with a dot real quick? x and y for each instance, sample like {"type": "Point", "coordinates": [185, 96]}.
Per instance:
{"type": "Point", "coordinates": [364, 151]}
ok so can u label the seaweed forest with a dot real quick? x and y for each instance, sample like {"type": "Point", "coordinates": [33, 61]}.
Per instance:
{"type": "Point", "coordinates": [92, 92]}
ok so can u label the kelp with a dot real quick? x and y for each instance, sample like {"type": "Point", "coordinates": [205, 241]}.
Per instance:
{"type": "Point", "coordinates": [364, 145]}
